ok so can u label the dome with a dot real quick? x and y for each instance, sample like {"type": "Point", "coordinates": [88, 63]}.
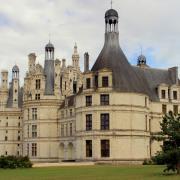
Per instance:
{"type": "Point", "coordinates": [50, 45]}
{"type": "Point", "coordinates": [15, 68]}
{"type": "Point", "coordinates": [111, 12]}
{"type": "Point", "coordinates": [141, 59]}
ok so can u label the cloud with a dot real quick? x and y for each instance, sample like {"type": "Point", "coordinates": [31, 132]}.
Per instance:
{"type": "Point", "coordinates": [25, 26]}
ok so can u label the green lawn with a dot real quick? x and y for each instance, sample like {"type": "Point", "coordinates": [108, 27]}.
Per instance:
{"type": "Point", "coordinates": [88, 173]}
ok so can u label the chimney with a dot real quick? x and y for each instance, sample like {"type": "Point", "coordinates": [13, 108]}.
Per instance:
{"type": "Point", "coordinates": [63, 63]}
{"type": "Point", "coordinates": [86, 62]}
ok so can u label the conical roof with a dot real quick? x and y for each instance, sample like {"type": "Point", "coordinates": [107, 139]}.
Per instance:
{"type": "Point", "coordinates": [125, 79]}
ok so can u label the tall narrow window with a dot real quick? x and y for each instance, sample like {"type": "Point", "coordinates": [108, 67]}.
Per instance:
{"type": "Point", "coordinates": [104, 99]}
{"type": "Point", "coordinates": [38, 84]}
{"type": "Point", "coordinates": [65, 85]}
{"type": "Point", "coordinates": [70, 129]}
{"type": "Point", "coordinates": [19, 138]}
{"type": "Point", "coordinates": [88, 100]}
{"type": "Point", "coordinates": [88, 122]}
{"type": "Point", "coordinates": [88, 83]}
{"type": "Point", "coordinates": [175, 109]}
{"type": "Point", "coordinates": [28, 113]}
{"type": "Point", "coordinates": [164, 109]}
{"type": "Point", "coordinates": [104, 121]}
{"type": "Point", "coordinates": [96, 81]}
{"type": "Point", "coordinates": [105, 148]}
{"type": "Point", "coordinates": [175, 95]}
{"type": "Point", "coordinates": [62, 130]}
{"type": "Point", "coordinates": [34, 113]}
{"type": "Point", "coordinates": [105, 81]}
{"type": "Point", "coordinates": [28, 131]}
{"type": "Point", "coordinates": [28, 149]}
{"type": "Point", "coordinates": [163, 94]}
{"type": "Point", "coordinates": [34, 149]}
{"type": "Point", "coordinates": [88, 148]}
{"type": "Point", "coordinates": [6, 138]}
{"type": "Point", "coordinates": [34, 131]}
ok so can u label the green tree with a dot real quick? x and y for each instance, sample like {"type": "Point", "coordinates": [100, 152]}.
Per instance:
{"type": "Point", "coordinates": [170, 135]}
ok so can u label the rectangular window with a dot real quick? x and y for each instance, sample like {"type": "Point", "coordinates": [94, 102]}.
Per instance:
{"type": "Point", "coordinates": [104, 121]}
{"type": "Point", "coordinates": [96, 81]}
{"type": "Point", "coordinates": [27, 149]}
{"type": "Point", "coordinates": [62, 114]}
{"type": "Point", "coordinates": [62, 130]}
{"type": "Point", "coordinates": [163, 94]}
{"type": "Point", "coordinates": [28, 113]}
{"type": "Point", "coordinates": [70, 111]}
{"type": "Point", "coordinates": [38, 84]}
{"type": "Point", "coordinates": [34, 113]}
{"type": "Point", "coordinates": [164, 109]}
{"type": "Point", "coordinates": [88, 122]}
{"type": "Point", "coordinates": [28, 131]}
{"type": "Point", "coordinates": [19, 138]}
{"type": "Point", "coordinates": [105, 148]}
{"type": "Point", "coordinates": [105, 81]}
{"type": "Point", "coordinates": [88, 83]}
{"type": "Point", "coordinates": [175, 95]}
{"type": "Point", "coordinates": [34, 131]}
{"type": "Point", "coordinates": [104, 99]}
{"type": "Point", "coordinates": [88, 148]}
{"type": "Point", "coordinates": [175, 109]}
{"type": "Point", "coordinates": [70, 129]}
{"type": "Point", "coordinates": [6, 138]}
{"type": "Point", "coordinates": [38, 97]}
{"type": "Point", "coordinates": [34, 149]}
{"type": "Point", "coordinates": [88, 100]}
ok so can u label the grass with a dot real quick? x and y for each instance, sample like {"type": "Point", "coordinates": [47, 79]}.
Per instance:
{"type": "Point", "coordinates": [88, 173]}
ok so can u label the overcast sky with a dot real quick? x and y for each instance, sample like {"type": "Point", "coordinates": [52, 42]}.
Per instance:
{"type": "Point", "coordinates": [25, 26]}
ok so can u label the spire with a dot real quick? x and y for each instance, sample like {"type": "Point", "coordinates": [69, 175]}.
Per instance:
{"type": "Point", "coordinates": [75, 57]}
{"type": "Point", "coordinates": [75, 48]}
{"type": "Point", "coordinates": [111, 4]}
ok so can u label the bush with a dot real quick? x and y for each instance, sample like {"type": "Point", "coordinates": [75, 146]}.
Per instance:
{"type": "Point", "coordinates": [13, 162]}
{"type": "Point", "coordinates": [147, 162]}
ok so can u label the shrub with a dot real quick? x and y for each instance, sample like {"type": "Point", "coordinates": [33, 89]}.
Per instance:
{"type": "Point", "coordinates": [147, 162]}
{"type": "Point", "coordinates": [13, 162]}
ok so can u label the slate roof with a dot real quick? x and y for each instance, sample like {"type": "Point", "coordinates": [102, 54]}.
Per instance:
{"type": "Point", "coordinates": [128, 78]}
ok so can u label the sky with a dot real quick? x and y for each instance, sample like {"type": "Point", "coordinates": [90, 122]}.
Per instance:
{"type": "Point", "coordinates": [25, 26]}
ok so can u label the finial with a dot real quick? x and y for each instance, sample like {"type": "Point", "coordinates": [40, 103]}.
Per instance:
{"type": "Point", "coordinates": [49, 37]}
{"type": "Point", "coordinates": [111, 4]}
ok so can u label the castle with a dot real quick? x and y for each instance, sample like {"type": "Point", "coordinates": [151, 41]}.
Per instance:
{"type": "Point", "coordinates": [107, 113]}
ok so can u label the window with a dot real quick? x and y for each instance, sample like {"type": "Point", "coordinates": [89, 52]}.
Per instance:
{"type": "Point", "coordinates": [66, 129]}
{"type": "Point", "coordinates": [19, 124]}
{"type": "Point", "coordinates": [6, 153]}
{"type": "Point", "coordinates": [175, 109]}
{"type": "Point", "coordinates": [105, 148]}
{"type": "Point", "coordinates": [34, 113]}
{"type": "Point", "coordinates": [7, 124]}
{"type": "Point", "coordinates": [38, 84]}
{"type": "Point", "coordinates": [105, 99]}
{"type": "Point", "coordinates": [104, 121]}
{"type": "Point", "coordinates": [146, 123]}
{"type": "Point", "coordinates": [146, 101]}
{"type": "Point", "coordinates": [62, 130]}
{"type": "Point", "coordinates": [164, 109]}
{"type": "Point", "coordinates": [62, 114]}
{"type": "Point", "coordinates": [6, 138]}
{"type": "Point", "coordinates": [88, 122]}
{"type": "Point", "coordinates": [70, 111]}
{"type": "Point", "coordinates": [38, 97]}
{"type": "Point", "coordinates": [34, 131]}
{"type": "Point", "coordinates": [34, 149]}
{"type": "Point", "coordinates": [70, 129]}
{"type": "Point", "coordinates": [28, 131]}
{"type": "Point", "coordinates": [28, 113]}
{"type": "Point", "coordinates": [88, 83]}
{"type": "Point", "coordinates": [19, 138]}
{"type": "Point", "coordinates": [163, 94]}
{"type": "Point", "coordinates": [174, 94]}
{"type": "Point", "coordinates": [27, 149]}
{"type": "Point", "coordinates": [105, 81]}
{"type": "Point", "coordinates": [88, 148]}
{"type": "Point", "coordinates": [65, 85]}
{"type": "Point", "coordinates": [96, 81]}
{"type": "Point", "coordinates": [88, 100]}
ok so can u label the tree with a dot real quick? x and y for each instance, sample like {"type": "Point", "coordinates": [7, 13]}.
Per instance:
{"type": "Point", "coordinates": [170, 135]}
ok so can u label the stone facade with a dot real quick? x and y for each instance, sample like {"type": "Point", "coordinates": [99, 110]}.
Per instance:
{"type": "Point", "coordinates": [104, 114]}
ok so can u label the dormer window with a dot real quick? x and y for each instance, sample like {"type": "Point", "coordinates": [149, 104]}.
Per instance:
{"type": "Point", "coordinates": [163, 94]}
{"type": "Point", "coordinates": [174, 94]}
{"type": "Point", "coordinates": [88, 83]}
{"type": "Point", "coordinates": [105, 81]}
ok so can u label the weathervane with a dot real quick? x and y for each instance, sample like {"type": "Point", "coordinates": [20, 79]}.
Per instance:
{"type": "Point", "coordinates": [111, 4]}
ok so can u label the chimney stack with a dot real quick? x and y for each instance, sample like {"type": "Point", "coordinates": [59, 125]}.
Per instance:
{"type": "Point", "coordinates": [86, 62]}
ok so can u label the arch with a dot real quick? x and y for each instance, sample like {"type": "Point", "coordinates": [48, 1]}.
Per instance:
{"type": "Point", "coordinates": [70, 151]}
{"type": "Point", "coordinates": [61, 152]}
